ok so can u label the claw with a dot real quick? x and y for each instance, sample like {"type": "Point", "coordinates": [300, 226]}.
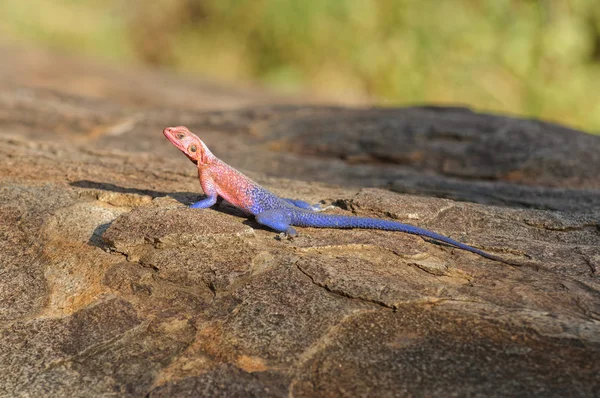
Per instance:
{"type": "Point", "coordinates": [318, 208]}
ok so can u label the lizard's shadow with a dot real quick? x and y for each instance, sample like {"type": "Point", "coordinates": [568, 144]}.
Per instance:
{"type": "Point", "coordinates": [185, 198]}
{"type": "Point", "coordinates": [182, 197]}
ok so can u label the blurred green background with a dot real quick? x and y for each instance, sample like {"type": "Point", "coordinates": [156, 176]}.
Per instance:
{"type": "Point", "coordinates": [538, 58]}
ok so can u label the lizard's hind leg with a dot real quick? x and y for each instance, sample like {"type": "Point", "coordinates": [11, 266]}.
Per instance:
{"type": "Point", "coordinates": [277, 219]}
{"type": "Point", "coordinates": [307, 206]}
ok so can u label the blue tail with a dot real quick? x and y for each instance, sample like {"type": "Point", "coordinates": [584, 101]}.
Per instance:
{"type": "Point", "coordinates": [319, 220]}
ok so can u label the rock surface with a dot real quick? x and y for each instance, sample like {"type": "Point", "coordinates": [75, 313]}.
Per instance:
{"type": "Point", "coordinates": [111, 286]}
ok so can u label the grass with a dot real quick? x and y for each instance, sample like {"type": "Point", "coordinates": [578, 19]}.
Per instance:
{"type": "Point", "coordinates": [531, 58]}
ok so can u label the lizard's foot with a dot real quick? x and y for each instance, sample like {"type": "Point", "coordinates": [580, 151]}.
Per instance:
{"type": "Point", "coordinates": [204, 203]}
{"type": "Point", "coordinates": [291, 233]}
{"type": "Point", "coordinates": [307, 206]}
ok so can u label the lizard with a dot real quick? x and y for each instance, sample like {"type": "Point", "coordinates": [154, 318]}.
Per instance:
{"type": "Point", "coordinates": [218, 179]}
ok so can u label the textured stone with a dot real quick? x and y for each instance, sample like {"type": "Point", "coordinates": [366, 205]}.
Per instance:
{"type": "Point", "coordinates": [111, 286]}
{"type": "Point", "coordinates": [431, 350]}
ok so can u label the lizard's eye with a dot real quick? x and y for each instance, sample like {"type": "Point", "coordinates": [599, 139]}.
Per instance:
{"type": "Point", "coordinates": [180, 136]}
{"type": "Point", "coordinates": [193, 148]}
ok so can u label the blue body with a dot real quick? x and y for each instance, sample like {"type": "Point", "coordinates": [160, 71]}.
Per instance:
{"type": "Point", "coordinates": [280, 214]}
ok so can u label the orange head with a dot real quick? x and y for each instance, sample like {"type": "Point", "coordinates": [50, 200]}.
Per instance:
{"type": "Point", "coordinates": [189, 144]}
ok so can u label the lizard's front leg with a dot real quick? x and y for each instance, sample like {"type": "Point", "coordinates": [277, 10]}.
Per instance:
{"type": "Point", "coordinates": [277, 219]}
{"type": "Point", "coordinates": [208, 186]}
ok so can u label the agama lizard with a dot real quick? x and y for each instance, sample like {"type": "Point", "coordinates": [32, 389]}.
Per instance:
{"type": "Point", "coordinates": [219, 179]}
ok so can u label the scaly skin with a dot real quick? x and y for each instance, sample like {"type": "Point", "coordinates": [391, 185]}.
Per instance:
{"type": "Point", "coordinates": [219, 179]}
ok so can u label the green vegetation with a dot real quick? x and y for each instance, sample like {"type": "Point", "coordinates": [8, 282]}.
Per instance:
{"type": "Point", "coordinates": [534, 58]}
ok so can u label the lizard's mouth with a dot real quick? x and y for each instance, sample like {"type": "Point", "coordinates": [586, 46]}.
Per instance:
{"type": "Point", "coordinates": [171, 134]}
